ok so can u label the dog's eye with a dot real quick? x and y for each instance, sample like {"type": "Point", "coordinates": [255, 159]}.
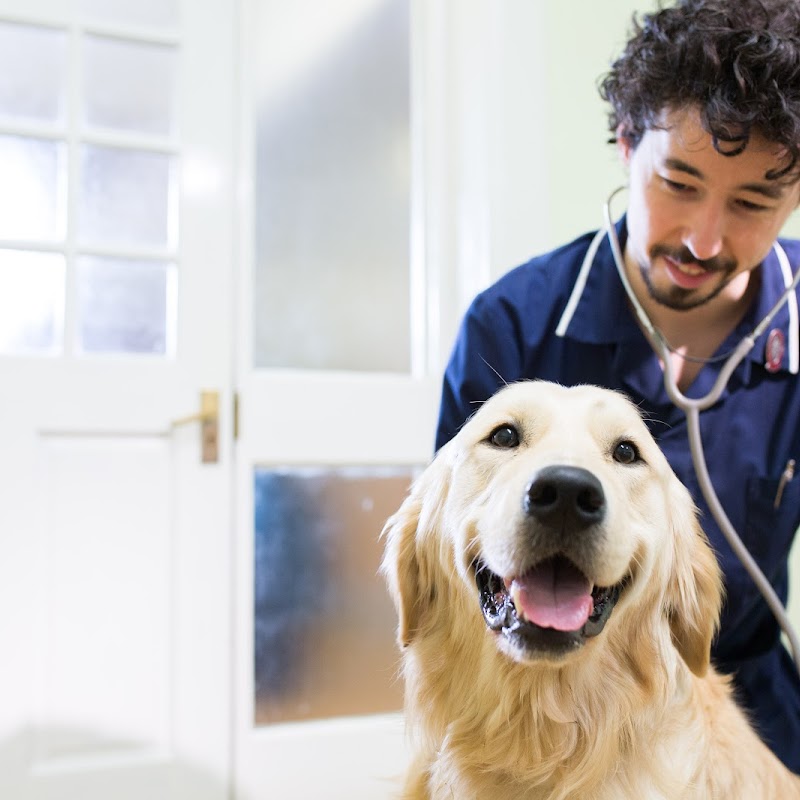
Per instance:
{"type": "Point", "coordinates": [505, 436]}
{"type": "Point", "coordinates": [626, 453]}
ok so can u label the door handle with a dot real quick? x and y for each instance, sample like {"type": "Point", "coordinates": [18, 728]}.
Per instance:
{"type": "Point", "coordinates": [208, 417]}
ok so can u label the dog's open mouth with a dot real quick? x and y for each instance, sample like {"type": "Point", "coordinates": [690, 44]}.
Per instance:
{"type": "Point", "coordinates": [553, 606]}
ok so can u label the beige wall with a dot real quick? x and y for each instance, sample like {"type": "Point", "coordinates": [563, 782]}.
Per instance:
{"type": "Point", "coordinates": [550, 167]}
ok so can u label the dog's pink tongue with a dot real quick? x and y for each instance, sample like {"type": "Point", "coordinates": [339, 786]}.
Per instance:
{"type": "Point", "coordinates": [554, 594]}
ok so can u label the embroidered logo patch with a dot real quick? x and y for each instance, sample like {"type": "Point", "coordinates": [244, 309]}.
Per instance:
{"type": "Point", "coordinates": [776, 347]}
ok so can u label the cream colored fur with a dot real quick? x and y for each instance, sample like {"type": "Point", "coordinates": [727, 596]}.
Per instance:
{"type": "Point", "coordinates": [637, 711]}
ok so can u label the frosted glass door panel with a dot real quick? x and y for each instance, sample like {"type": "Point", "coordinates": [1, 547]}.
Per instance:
{"type": "Point", "coordinates": [126, 197]}
{"type": "Point", "coordinates": [129, 86]}
{"type": "Point", "coordinates": [31, 302]}
{"type": "Point", "coordinates": [332, 287]}
{"type": "Point", "coordinates": [31, 188]}
{"type": "Point", "coordinates": [32, 73]}
{"type": "Point", "coordinates": [147, 13]}
{"type": "Point", "coordinates": [324, 624]}
{"type": "Point", "coordinates": [125, 306]}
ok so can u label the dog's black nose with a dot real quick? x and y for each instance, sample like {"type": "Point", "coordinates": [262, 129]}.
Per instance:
{"type": "Point", "coordinates": [564, 495]}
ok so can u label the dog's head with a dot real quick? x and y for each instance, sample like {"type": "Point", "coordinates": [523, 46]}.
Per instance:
{"type": "Point", "coordinates": [551, 517]}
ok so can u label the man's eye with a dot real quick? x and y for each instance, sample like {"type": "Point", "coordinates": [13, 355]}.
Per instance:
{"type": "Point", "coordinates": [626, 453]}
{"type": "Point", "coordinates": [677, 186]}
{"type": "Point", "coordinates": [747, 205]}
{"type": "Point", "coordinates": [505, 436]}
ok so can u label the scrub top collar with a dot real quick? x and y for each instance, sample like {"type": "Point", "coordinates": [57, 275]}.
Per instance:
{"type": "Point", "coordinates": [602, 314]}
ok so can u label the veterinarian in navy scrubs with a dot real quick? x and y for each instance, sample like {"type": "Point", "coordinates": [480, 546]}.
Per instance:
{"type": "Point", "coordinates": [705, 111]}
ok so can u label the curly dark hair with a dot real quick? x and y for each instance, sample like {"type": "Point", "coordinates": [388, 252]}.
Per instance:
{"type": "Point", "coordinates": [736, 61]}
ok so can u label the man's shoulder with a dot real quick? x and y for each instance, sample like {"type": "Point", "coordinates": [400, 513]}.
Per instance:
{"type": "Point", "coordinates": [555, 270]}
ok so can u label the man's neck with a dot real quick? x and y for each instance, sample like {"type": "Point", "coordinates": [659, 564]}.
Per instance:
{"type": "Point", "coordinates": [697, 332]}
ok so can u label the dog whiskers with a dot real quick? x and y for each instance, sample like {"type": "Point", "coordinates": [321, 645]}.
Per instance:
{"type": "Point", "coordinates": [502, 379]}
{"type": "Point", "coordinates": [650, 419]}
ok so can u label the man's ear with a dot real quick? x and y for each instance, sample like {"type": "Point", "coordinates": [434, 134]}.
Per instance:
{"type": "Point", "coordinates": [625, 146]}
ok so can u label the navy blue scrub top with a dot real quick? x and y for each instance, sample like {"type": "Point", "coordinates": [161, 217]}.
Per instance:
{"type": "Point", "coordinates": [749, 435]}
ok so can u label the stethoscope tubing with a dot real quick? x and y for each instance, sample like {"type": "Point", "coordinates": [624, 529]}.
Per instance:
{"type": "Point", "coordinates": [692, 408]}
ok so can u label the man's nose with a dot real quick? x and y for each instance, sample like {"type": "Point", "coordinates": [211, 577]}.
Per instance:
{"type": "Point", "coordinates": [704, 232]}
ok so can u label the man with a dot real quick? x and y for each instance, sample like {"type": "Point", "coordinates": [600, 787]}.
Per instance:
{"type": "Point", "coordinates": [706, 115]}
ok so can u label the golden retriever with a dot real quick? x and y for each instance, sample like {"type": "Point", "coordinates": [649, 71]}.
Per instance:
{"type": "Point", "coordinates": [557, 601]}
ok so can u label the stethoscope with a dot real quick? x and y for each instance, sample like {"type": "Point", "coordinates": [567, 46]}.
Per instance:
{"type": "Point", "coordinates": [693, 406]}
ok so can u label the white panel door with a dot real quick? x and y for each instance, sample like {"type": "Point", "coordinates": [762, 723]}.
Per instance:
{"type": "Point", "coordinates": [338, 372]}
{"type": "Point", "coordinates": [116, 159]}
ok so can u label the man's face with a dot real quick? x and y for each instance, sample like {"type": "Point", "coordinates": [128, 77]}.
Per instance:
{"type": "Point", "coordinates": [697, 218]}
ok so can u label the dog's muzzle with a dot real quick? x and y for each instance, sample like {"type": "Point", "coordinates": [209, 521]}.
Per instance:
{"type": "Point", "coordinates": [552, 607]}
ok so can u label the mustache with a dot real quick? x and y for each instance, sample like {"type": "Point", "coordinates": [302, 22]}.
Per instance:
{"type": "Point", "coordinates": [684, 256]}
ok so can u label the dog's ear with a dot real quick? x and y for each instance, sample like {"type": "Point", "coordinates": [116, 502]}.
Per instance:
{"type": "Point", "coordinates": [694, 595]}
{"type": "Point", "coordinates": [408, 555]}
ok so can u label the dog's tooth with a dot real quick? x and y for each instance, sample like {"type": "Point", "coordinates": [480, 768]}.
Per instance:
{"type": "Point", "coordinates": [516, 591]}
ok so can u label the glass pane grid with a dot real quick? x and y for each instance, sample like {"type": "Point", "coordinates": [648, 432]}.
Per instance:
{"type": "Point", "coordinates": [129, 86]}
{"type": "Point", "coordinates": [32, 288]}
{"type": "Point", "coordinates": [31, 192]}
{"type": "Point", "coordinates": [122, 306]}
{"type": "Point", "coordinates": [35, 93]}
{"type": "Point", "coordinates": [124, 197]}
{"type": "Point", "coordinates": [88, 151]}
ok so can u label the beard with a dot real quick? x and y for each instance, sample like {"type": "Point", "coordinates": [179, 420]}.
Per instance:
{"type": "Point", "coordinates": [676, 297]}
